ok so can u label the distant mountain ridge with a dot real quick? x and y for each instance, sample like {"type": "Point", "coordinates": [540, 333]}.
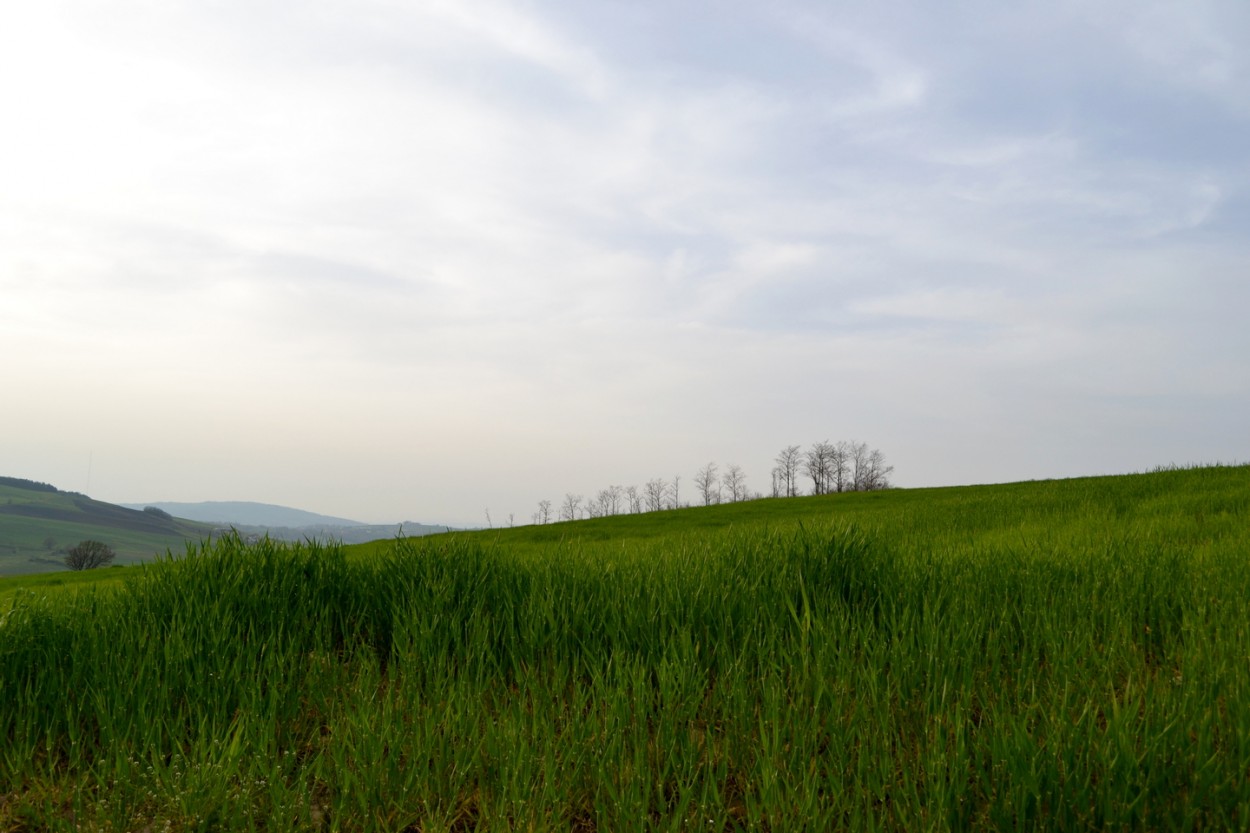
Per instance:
{"type": "Point", "coordinates": [283, 523]}
{"type": "Point", "coordinates": [245, 513]}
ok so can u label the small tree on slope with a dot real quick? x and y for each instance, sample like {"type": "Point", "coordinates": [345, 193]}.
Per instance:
{"type": "Point", "coordinates": [88, 555]}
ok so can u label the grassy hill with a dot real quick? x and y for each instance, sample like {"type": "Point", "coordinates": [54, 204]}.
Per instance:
{"type": "Point", "coordinates": [1055, 655]}
{"type": "Point", "coordinates": [998, 515]}
{"type": "Point", "coordinates": [38, 523]}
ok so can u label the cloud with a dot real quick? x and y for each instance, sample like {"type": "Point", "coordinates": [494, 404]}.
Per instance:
{"type": "Point", "coordinates": [620, 237]}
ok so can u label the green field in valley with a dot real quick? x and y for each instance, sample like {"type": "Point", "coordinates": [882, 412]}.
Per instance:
{"type": "Point", "coordinates": [1055, 655]}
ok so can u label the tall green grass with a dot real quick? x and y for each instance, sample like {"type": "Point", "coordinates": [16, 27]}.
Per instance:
{"type": "Point", "coordinates": [1068, 655]}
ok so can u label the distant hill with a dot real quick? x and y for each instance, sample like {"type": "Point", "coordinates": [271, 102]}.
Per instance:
{"type": "Point", "coordinates": [345, 534]}
{"type": "Point", "coordinates": [245, 513]}
{"type": "Point", "coordinates": [286, 524]}
{"type": "Point", "coordinates": [39, 523]}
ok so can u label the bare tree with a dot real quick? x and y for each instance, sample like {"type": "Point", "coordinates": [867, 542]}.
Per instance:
{"type": "Point", "coordinates": [735, 482]}
{"type": "Point", "coordinates": [878, 472]}
{"type": "Point", "coordinates": [571, 509]}
{"type": "Point", "coordinates": [776, 482]}
{"type": "Point", "coordinates": [839, 473]}
{"type": "Point", "coordinates": [708, 484]}
{"type": "Point", "coordinates": [677, 491]}
{"type": "Point", "coordinates": [633, 499]}
{"type": "Point", "coordinates": [816, 466]}
{"type": "Point", "coordinates": [87, 555]}
{"type": "Point", "coordinates": [608, 501]}
{"type": "Point", "coordinates": [859, 461]}
{"type": "Point", "coordinates": [543, 515]}
{"type": "Point", "coordinates": [813, 467]}
{"type": "Point", "coordinates": [654, 493]}
{"type": "Point", "coordinates": [866, 468]}
{"type": "Point", "coordinates": [789, 462]}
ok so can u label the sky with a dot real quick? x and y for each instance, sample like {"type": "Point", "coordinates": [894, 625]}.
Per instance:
{"type": "Point", "coordinates": [424, 260]}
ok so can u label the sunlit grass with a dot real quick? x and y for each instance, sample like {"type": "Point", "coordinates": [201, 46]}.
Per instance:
{"type": "Point", "coordinates": [1062, 655]}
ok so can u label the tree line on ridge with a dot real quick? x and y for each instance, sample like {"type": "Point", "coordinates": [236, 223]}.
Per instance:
{"type": "Point", "coordinates": [823, 468]}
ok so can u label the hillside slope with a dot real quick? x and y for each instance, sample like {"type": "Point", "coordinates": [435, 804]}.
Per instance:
{"type": "Point", "coordinates": [993, 514]}
{"type": "Point", "coordinates": [38, 523]}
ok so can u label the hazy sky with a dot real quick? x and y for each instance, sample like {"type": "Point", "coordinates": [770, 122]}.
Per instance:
{"type": "Point", "coordinates": [395, 259]}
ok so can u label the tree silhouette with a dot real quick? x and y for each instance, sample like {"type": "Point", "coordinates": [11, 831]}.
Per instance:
{"type": "Point", "coordinates": [89, 554]}
{"type": "Point", "coordinates": [707, 481]}
{"type": "Point", "coordinates": [735, 482]}
{"type": "Point", "coordinates": [789, 463]}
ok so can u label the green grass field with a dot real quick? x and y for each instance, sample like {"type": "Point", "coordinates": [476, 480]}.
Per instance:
{"type": "Point", "coordinates": [1060, 655]}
